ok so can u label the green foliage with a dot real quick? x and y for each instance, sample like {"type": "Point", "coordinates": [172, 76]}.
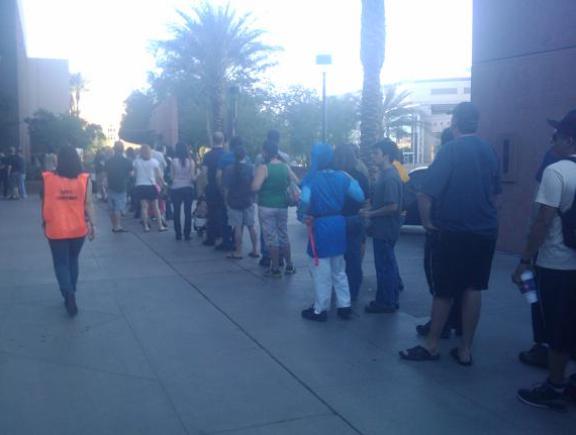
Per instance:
{"type": "Point", "coordinates": [49, 131]}
{"type": "Point", "coordinates": [134, 126]}
{"type": "Point", "coordinates": [398, 113]}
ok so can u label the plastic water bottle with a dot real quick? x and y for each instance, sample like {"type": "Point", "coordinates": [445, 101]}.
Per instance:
{"type": "Point", "coordinates": [528, 287]}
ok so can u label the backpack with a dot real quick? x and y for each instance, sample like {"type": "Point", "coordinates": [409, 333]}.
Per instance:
{"type": "Point", "coordinates": [568, 219]}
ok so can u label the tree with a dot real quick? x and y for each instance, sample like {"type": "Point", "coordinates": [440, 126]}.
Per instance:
{"type": "Point", "coordinates": [77, 86]}
{"type": "Point", "coordinates": [135, 124]}
{"type": "Point", "coordinates": [49, 131]}
{"type": "Point", "coordinates": [372, 55]}
{"type": "Point", "coordinates": [398, 114]}
{"type": "Point", "coordinates": [343, 118]}
{"type": "Point", "coordinates": [210, 50]}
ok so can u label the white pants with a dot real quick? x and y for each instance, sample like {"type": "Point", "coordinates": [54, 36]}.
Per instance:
{"type": "Point", "coordinates": [330, 273]}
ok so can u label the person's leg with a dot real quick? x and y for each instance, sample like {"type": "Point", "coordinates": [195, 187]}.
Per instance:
{"type": "Point", "coordinates": [283, 239]}
{"type": "Point", "coordinates": [340, 281]}
{"type": "Point", "coordinates": [386, 274]}
{"type": "Point", "coordinates": [61, 261]}
{"type": "Point", "coordinates": [558, 361]}
{"type": "Point", "coordinates": [156, 208]}
{"type": "Point", "coordinates": [440, 311]}
{"type": "Point", "coordinates": [353, 259]}
{"type": "Point", "coordinates": [22, 186]}
{"type": "Point", "coordinates": [322, 277]}
{"type": "Point", "coordinates": [238, 230]}
{"type": "Point", "coordinates": [187, 203]}
{"type": "Point", "coordinates": [177, 204]}
{"type": "Point", "coordinates": [253, 239]}
{"type": "Point", "coordinates": [144, 214]}
{"type": "Point", "coordinates": [471, 307]}
{"type": "Point", "coordinates": [74, 248]}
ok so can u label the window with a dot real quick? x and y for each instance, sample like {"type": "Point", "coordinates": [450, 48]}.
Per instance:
{"type": "Point", "coordinates": [440, 109]}
{"type": "Point", "coordinates": [444, 91]}
{"type": "Point", "coordinates": [467, 90]}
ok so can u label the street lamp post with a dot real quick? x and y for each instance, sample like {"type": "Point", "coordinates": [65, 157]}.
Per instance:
{"type": "Point", "coordinates": [324, 59]}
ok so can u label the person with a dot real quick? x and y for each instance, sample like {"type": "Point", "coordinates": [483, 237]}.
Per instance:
{"type": "Point", "coordinates": [324, 192]}
{"type": "Point", "coordinates": [158, 154]}
{"type": "Point", "coordinates": [68, 217]}
{"type": "Point", "coordinates": [148, 177]}
{"type": "Point", "coordinates": [345, 160]}
{"type": "Point", "coordinates": [118, 172]}
{"type": "Point", "coordinates": [17, 174]}
{"type": "Point", "coordinates": [183, 176]}
{"type": "Point", "coordinates": [454, 321]}
{"type": "Point", "coordinates": [100, 170]}
{"type": "Point", "coordinates": [237, 182]}
{"type": "Point", "coordinates": [384, 216]}
{"type": "Point", "coordinates": [271, 182]}
{"type": "Point", "coordinates": [555, 266]}
{"type": "Point", "coordinates": [50, 160]}
{"type": "Point", "coordinates": [4, 176]}
{"type": "Point", "coordinates": [212, 192]}
{"type": "Point", "coordinates": [461, 184]}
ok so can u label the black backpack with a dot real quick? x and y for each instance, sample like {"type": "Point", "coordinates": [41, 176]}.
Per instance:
{"type": "Point", "coordinates": [568, 219]}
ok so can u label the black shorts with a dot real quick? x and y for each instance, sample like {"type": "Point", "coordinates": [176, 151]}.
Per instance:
{"type": "Point", "coordinates": [146, 193]}
{"type": "Point", "coordinates": [557, 294]}
{"type": "Point", "coordinates": [459, 261]}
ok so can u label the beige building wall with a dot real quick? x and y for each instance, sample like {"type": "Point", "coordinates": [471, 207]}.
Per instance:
{"type": "Point", "coordinates": [524, 63]}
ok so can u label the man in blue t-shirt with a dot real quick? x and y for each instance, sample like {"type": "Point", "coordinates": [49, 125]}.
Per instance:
{"type": "Point", "coordinates": [214, 198]}
{"type": "Point", "coordinates": [461, 185]}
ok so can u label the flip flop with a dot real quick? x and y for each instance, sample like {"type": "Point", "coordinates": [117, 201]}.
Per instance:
{"type": "Point", "coordinates": [455, 354]}
{"type": "Point", "coordinates": [418, 353]}
{"type": "Point", "coordinates": [234, 257]}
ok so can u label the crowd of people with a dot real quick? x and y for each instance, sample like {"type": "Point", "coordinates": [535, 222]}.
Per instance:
{"type": "Point", "coordinates": [13, 174]}
{"type": "Point", "coordinates": [342, 202]}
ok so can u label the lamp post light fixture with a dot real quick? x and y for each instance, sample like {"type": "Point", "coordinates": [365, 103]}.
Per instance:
{"type": "Point", "coordinates": [324, 59]}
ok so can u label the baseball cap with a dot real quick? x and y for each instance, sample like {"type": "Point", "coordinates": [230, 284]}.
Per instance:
{"type": "Point", "coordinates": [566, 125]}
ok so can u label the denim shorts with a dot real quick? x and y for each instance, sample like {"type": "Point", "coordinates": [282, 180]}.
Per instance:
{"type": "Point", "coordinates": [117, 201]}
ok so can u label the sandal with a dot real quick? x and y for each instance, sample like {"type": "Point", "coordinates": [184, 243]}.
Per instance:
{"type": "Point", "coordinates": [418, 353]}
{"type": "Point", "coordinates": [455, 353]}
{"type": "Point", "coordinates": [234, 257]}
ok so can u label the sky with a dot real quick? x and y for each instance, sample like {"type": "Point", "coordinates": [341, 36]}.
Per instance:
{"type": "Point", "coordinates": [108, 41]}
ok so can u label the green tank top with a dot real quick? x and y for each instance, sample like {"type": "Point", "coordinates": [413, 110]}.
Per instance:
{"type": "Point", "coordinates": [273, 191]}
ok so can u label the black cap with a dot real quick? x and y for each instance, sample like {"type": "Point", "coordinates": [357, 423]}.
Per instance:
{"type": "Point", "coordinates": [567, 125]}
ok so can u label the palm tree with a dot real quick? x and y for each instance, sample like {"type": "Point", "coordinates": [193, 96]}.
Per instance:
{"type": "Point", "coordinates": [212, 49]}
{"type": "Point", "coordinates": [398, 113]}
{"type": "Point", "coordinates": [372, 56]}
{"type": "Point", "coordinates": [77, 86]}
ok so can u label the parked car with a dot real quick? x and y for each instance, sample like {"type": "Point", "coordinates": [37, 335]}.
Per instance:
{"type": "Point", "coordinates": [417, 177]}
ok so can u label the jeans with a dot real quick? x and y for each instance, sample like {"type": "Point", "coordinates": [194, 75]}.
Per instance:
{"type": "Point", "coordinates": [183, 196]}
{"type": "Point", "coordinates": [22, 186]}
{"type": "Point", "coordinates": [65, 253]}
{"type": "Point", "coordinates": [353, 255]}
{"type": "Point", "coordinates": [387, 275]}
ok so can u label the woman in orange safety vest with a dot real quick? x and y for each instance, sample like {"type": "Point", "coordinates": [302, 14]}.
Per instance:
{"type": "Point", "coordinates": [67, 217]}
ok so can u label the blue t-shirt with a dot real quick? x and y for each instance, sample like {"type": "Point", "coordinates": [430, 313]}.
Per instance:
{"type": "Point", "coordinates": [325, 195]}
{"type": "Point", "coordinates": [462, 181]}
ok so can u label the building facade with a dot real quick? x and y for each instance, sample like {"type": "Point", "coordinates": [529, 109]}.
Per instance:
{"type": "Point", "coordinates": [26, 84]}
{"type": "Point", "coordinates": [524, 58]}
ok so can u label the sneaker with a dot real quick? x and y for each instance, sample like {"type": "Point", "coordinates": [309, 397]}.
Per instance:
{"type": "Point", "coordinates": [345, 313]}
{"type": "Point", "coordinates": [273, 273]}
{"type": "Point", "coordinates": [310, 314]}
{"type": "Point", "coordinates": [373, 308]}
{"type": "Point", "coordinates": [290, 270]}
{"type": "Point", "coordinates": [543, 396]}
{"type": "Point", "coordinates": [537, 356]}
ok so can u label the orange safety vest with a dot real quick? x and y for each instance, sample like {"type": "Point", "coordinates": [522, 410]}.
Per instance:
{"type": "Point", "coordinates": [64, 206]}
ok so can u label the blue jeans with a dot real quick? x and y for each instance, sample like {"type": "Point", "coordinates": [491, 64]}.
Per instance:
{"type": "Point", "coordinates": [65, 253]}
{"type": "Point", "coordinates": [387, 274]}
{"type": "Point", "coordinates": [353, 255]}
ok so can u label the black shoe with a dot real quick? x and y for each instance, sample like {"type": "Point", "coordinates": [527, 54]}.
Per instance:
{"type": "Point", "coordinates": [345, 313]}
{"type": "Point", "coordinates": [543, 396]}
{"type": "Point", "coordinates": [71, 306]}
{"type": "Point", "coordinates": [178, 236]}
{"type": "Point", "coordinates": [224, 248]}
{"type": "Point", "coordinates": [373, 308]}
{"type": "Point", "coordinates": [290, 270]}
{"type": "Point", "coordinates": [310, 314]}
{"type": "Point", "coordinates": [537, 356]}
{"type": "Point", "coordinates": [208, 242]}
{"type": "Point", "coordinates": [264, 262]}
{"type": "Point", "coordinates": [187, 237]}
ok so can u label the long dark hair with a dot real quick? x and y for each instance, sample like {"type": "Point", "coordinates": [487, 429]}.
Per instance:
{"type": "Point", "coordinates": [181, 152]}
{"type": "Point", "coordinates": [239, 156]}
{"type": "Point", "coordinates": [345, 158]}
{"type": "Point", "coordinates": [69, 164]}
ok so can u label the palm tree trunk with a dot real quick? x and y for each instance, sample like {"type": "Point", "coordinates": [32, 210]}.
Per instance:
{"type": "Point", "coordinates": [372, 54]}
{"type": "Point", "coordinates": [218, 103]}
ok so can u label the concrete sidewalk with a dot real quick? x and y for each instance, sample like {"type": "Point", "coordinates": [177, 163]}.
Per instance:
{"type": "Point", "coordinates": [172, 338]}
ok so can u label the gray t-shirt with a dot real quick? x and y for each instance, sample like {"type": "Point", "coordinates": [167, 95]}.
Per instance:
{"type": "Point", "coordinates": [387, 190]}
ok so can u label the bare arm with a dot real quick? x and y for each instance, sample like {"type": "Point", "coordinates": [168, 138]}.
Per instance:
{"type": "Point", "coordinates": [386, 210]}
{"type": "Point", "coordinates": [259, 178]}
{"type": "Point", "coordinates": [159, 178]}
{"type": "Point", "coordinates": [89, 207]}
{"type": "Point", "coordinates": [425, 207]}
{"type": "Point", "coordinates": [293, 177]}
{"type": "Point", "coordinates": [192, 171]}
